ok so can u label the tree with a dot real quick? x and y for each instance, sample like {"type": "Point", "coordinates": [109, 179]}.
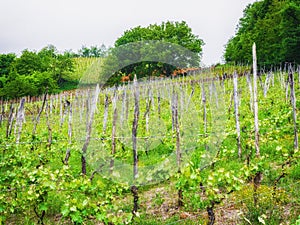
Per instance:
{"type": "Point", "coordinates": [62, 68]}
{"type": "Point", "coordinates": [28, 62]}
{"type": "Point", "coordinates": [47, 56]}
{"type": "Point", "coordinates": [18, 86]}
{"type": "Point", "coordinates": [84, 52]}
{"type": "Point", "coordinates": [43, 81]}
{"type": "Point", "coordinates": [33, 72]}
{"type": "Point", "coordinates": [153, 50]}
{"type": "Point", "coordinates": [290, 32]}
{"type": "Point", "coordinates": [274, 26]}
{"type": "Point", "coordinates": [6, 61]}
{"type": "Point", "coordinates": [93, 51]}
{"type": "Point", "coordinates": [46, 60]}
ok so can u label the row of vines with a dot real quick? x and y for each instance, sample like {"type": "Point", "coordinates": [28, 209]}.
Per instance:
{"type": "Point", "coordinates": [95, 155]}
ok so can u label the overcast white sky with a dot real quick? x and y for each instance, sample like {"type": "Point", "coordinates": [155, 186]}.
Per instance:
{"type": "Point", "coordinates": [69, 24]}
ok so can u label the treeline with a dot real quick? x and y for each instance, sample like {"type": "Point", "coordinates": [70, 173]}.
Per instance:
{"type": "Point", "coordinates": [34, 72]}
{"type": "Point", "coordinates": [274, 26]}
{"type": "Point", "coordinates": [93, 51]}
{"type": "Point", "coordinates": [155, 50]}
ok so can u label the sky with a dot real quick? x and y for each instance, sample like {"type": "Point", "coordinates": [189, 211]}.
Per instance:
{"type": "Point", "coordinates": [70, 24]}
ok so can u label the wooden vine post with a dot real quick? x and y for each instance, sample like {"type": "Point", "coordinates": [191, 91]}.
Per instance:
{"type": "Point", "coordinates": [267, 83]}
{"type": "Point", "coordinates": [122, 114]}
{"type": "Point", "coordinates": [106, 104]}
{"type": "Point", "coordinates": [68, 152]}
{"type": "Point", "coordinates": [114, 128]}
{"type": "Point", "coordinates": [2, 112]}
{"type": "Point", "coordinates": [298, 75]}
{"type": "Point", "coordinates": [10, 120]}
{"type": "Point", "coordinates": [37, 120]}
{"type": "Point", "coordinates": [49, 126]}
{"type": "Point", "coordinates": [134, 188]}
{"type": "Point", "coordinates": [178, 150]}
{"type": "Point", "coordinates": [146, 117]}
{"type": "Point", "coordinates": [287, 86]}
{"type": "Point", "coordinates": [88, 106]}
{"type": "Point", "coordinates": [20, 119]}
{"type": "Point", "coordinates": [81, 108]}
{"type": "Point", "coordinates": [204, 108]}
{"type": "Point", "coordinates": [293, 102]}
{"type": "Point", "coordinates": [258, 176]}
{"type": "Point", "coordinates": [158, 103]}
{"type": "Point", "coordinates": [250, 90]}
{"type": "Point", "coordinates": [60, 110]}
{"type": "Point", "coordinates": [148, 105]}
{"type": "Point", "coordinates": [255, 101]}
{"type": "Point", "coordinates": [89, 130]}
{"type": "Point", "coordinates": [237, 115]}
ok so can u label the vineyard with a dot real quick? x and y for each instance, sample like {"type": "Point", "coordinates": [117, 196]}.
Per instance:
{"type": "Point", "coordinates": [215, 147]}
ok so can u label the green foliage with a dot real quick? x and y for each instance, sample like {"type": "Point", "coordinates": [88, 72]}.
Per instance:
{"type": "Point", "coordinates": [153, 51]}
{"type": "Point", "coordinates": [34, 72]}
{"type": "Point", "coordinates": [297, 221]}
{"type": "Point", "coordinates": [6, 61]}
{"type": "Point", "coordinates": [269, 208]}
{"type": "Point", "coordinates": [36, 186]}
{"type": "Point", "coordinates": [33, 186]}
{"type": "Point", "coordinates": [93, 51]}
{"type": "Point", "coordinates": [274, 26]}
{"type": "Point", "coordinates": [28, 63]}
{"type": "Point", "coordinates": [172, 32]}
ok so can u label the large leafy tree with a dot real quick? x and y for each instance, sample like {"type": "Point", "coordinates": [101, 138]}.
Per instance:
{"type": "Point", "coordinates": [274, 26]}
{"type": "Point", "coordinates": [47, 59]}
{"type": "Point", "coordinates": [33, 72]}
{"type": "Point", "coordinates": [154, 50]}
{"type": "Point", "coordinates": [174, 32]}
{"type": "Point", "coordinates": [27, 63]}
